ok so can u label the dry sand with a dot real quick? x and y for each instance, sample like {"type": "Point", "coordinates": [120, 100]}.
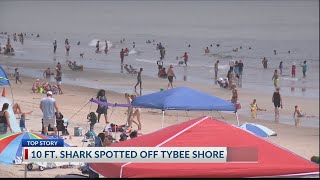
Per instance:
{"type": "Point", "coordinates": [300, 140]}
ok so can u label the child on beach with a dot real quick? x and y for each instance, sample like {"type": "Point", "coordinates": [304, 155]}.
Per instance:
{"type": "Point", "coordinates": [17, 75]}
{"type": "Point", "coordinates": [299, 113]}
{"type": "Point", "coordinates": [23, 122]}
{"type": "Point", "coordinates": [254, 108]}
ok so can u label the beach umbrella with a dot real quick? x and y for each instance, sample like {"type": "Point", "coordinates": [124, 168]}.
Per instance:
{"type": "Point", "coordinates": [11, 146]}
{"type": "Point", "coordinates": [258, 129]}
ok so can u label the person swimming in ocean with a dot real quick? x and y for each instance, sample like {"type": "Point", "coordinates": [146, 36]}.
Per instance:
{"type": "Point", "coordinates": [106, 48]}
{"type": "Point", "coordinates": [265, 63]}
{"type": "Point", "coordinates": [207, 51]}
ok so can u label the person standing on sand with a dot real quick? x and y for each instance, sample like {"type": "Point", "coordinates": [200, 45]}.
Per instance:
{"type": "Point", "coordinates": [216, 69]}
{"type": "Point", "coordinates": [17, 75]}
{"type": "Point", "coordinates": [265, 63]}
{"type": "Point", "coordinates": [139, 79]}
{"type": "Point", "coordinates": [281, 67]}
{"type": "Point", "coordinates": [304, 68]}
{"type": "Point", "coordinates": [5, 119]}
{"type": "Point", "coordinates": [48, 108]}
{"type": "Point", "coordinates": [136, 113]}
{"type": "Point", "coordinates": [129, 111]}
{"type": "Point", "coordinates": [293, 70]}
{"type": "Point", "coordinates": [234, 97]}
{"type": "Point", "coordinates": [54, 46]}
{"type": "Point", "coordinates": [254, 108]}
{"type": "Point", "coordinates": [122, 55]}
{"type": "Point", "coordinates": [277, 101]}
{"type": "Point", "coordinates": [275, 78]}
{"type": "Point", "coordinates": [59, 78]}
{"type": "Point", "coordinates": [170, 75]}
{"type": "Point", "coordinates": [101, 96]}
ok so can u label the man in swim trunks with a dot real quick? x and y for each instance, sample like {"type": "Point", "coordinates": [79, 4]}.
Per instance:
{"type": "Point", "coordinates": [170, 75]}
{"type": "Point", "coordinates": [47, 74]}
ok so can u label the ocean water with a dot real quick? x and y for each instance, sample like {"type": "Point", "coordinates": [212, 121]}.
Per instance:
{"type": "Point", "coordinates": [262, 25]}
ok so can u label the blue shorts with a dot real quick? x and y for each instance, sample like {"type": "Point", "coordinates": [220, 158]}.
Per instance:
{"type": "Point", "coordinates": [3, 128]}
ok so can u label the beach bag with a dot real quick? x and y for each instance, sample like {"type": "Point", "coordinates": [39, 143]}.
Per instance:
{"type": "Point", "coordinates": [92, 117]}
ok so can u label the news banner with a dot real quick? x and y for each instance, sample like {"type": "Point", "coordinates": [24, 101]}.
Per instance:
{"type": "Point", "coordinates": [53, 150]}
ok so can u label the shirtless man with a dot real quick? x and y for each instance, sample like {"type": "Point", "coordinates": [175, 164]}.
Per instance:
{"type": "Point", "coordinates": [47, 74]}
{"type": "Point", "coordinates": [170, 75]}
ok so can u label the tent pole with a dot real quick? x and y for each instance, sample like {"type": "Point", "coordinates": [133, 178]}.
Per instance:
{"type": "Point", "coordinates": [162, 118]}
{"type": "Point", "coordinates": [237, 119]}
{"type": "Point", "coordinates": [187, 115]}
{"type": "Point", "coordinates": [220, 115]}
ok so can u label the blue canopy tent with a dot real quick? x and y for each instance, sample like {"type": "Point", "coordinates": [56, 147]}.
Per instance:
{"type": "Point", "coordinates": [183, 98]}
{"type": "Point", "coordinates": [4, 81]}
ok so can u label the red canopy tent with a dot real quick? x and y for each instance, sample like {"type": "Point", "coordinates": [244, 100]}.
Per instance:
{"type": "Point", "coordinates": [207, 132]}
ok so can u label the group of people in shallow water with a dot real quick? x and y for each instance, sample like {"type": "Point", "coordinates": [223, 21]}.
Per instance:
{"type": "Point", "coordinates": [278, 103]}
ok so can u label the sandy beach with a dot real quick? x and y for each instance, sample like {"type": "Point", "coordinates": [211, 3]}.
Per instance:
{"type": "Point", "coordinates": [282, 32]}
{"type": "Point", "coordinates": [303, 141]}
